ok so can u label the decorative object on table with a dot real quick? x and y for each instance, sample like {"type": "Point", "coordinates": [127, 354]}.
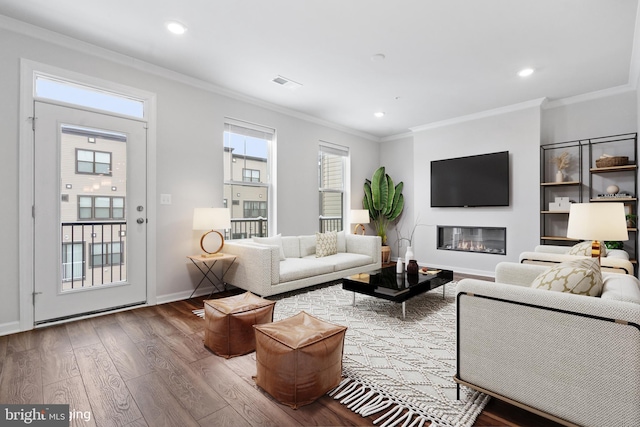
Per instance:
{"type": "Point", "coordinates": [399, 266]}
{"type": "Point", "coordinates": [607, 161]}
{"type": "Point", "coordinates": [632, 220]}
{"type": "Point", "coordinates": [597, 222]}
{"type": "Point", "coordinates": [412, 268]}
{"type": "Point", "coordinates": [562, 163]}
{"type": "Point", "coordinates": [359, 217]}
{"type": "Point", "coordinates": [613, 189]}
{"type": "Point", "coordinates": [383, 200]}
{"type": "Point", "coordinates": [211, 219]}
{"type": "Point", "coordinates": [614, 244]}
{"type": "Point", "coordinates": [561, 204]}
{"type": "Point", "coordinates": [408, 255]}
{"type": "Point", "coordinates": [409, 363]}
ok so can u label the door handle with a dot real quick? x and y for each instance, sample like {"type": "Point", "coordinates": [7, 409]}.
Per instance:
{"type": "Point", "coordinates": [140, 220]}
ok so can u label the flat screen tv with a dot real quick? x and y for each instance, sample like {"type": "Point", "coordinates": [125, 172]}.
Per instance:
{"type": "Point", "coordinates": [472, 181]}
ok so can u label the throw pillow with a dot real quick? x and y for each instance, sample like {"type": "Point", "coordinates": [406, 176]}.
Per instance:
{"type": "Point", "coordinates": [580, 277]}
{"type": "Point", "coordinates": [272, 241]}
{"type": "Point", "coordinates": [584, 249]}
{"type": "Point", "coordinates": [326, 244]}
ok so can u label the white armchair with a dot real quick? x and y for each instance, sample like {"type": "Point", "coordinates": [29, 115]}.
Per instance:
{"type": "Point", "coordinates": [571, 358]}
{"type": "Point", "coordinates": [615, 261]}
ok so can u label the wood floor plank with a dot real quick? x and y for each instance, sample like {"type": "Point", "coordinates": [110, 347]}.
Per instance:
{"type": "Point", "coordinates": [23, 341]}
{"type": "Point", "coordinates": [138, 331]}
{"type": "Point", "coordinates": [81, 333]}
{"type": "Point", "coordinates": [225, 417]}
{"type": "Point", "coordinates": [21, 380]}
{"type": "Point", "coordinates": [125, 355]}
{"type": "Point", "coordinates": [252, 404]}
{"type": "Point", "coordinates": [189, 347]}
{"type": "Point", "coordinates": [109, 397]}
{"type": "Point", "coordinates": [183, 382]}
{"type": "Point", "coordinates": [159, 407]}
{"type": "Point", "coordinates": [173, 313]}
{"type": "Point", "coordinates": [71, 392]}
{"type": "Point", "coordinates": [160, 326]}
{"type": "Point", "coordinates": [56, 355]}
{"type": "Point", "coordinates": [138, 423]}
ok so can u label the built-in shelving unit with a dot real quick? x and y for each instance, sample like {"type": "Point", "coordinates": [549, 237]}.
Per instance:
{"type": "Point", "coordinates": [584, 181]}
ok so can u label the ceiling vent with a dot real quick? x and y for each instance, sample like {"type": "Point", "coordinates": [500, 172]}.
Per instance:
{"type": "Point", "coordinates": [288, 83]}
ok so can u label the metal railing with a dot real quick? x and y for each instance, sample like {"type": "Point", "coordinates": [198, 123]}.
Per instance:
{"type": "Point", "coordinates": [330, 223]}
{"type": "Point", "coordinates": [244, 228]}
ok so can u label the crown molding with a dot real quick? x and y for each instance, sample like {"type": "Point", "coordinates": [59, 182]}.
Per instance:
{"type": "Point", "coordinates": [604, 93]}
{"type": "Point", "coordinates": [396, 137]}
{"type": "Point", "coordinates": [634, 66]}
{"type": "Point", "coordinates": [43, 34]}
{"type": "Point", "coordinates": [482, 114]}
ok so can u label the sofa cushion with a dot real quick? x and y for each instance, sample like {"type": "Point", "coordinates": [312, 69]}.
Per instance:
{"type": "Point", "coordinates": [584, 249]}
{"type": "Point", "coordinates": [342, 241]}
{"type": "Point", "coordinates": [301, 268]}
{"type": "Point", "coordinates": [271, 241]}
{"type": "Point", "coordinates": [621, 287]}
{"type": "Point", "coordinates": [345, 260]}
{"type": "Point", "coordinates": [307, 245]}
{"type": "Point", "coordinates": [580, 276]}
{"type": "Point", "coordinates": [326, 244]}
{"type": "Point", "coordinates": [291, 246]}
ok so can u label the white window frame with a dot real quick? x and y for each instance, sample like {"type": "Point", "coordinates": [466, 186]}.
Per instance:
{"type": "Point", "coordinates": [342, 151]}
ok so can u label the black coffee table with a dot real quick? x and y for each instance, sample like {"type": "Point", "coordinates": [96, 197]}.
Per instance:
{"type": "Point", "coordinates": [385, 283]}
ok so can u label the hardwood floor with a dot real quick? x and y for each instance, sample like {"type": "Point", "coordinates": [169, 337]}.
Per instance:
{"type": "Point", "coordinates": [148, 367]}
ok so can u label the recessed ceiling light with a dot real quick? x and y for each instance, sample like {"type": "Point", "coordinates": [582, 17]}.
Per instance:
{"type": "Point", "coordinates": [379, 114]}
{"type": "Point", "coordinates": [176, 28]}
{"type": "Point", "coordinates": [286, 82]}
{"type": "Point", "coordinates": [526, 72]}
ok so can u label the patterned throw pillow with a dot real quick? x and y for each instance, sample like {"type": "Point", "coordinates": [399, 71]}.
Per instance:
{"type": "Point", "coordinates": [584, 249]}
{"type": "Point", "coordinates": [580, 276]}
{"type": "Point", "coordinates": [326, 244]}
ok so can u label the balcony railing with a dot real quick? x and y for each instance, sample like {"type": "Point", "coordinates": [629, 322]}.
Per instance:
{"type": "Point", "coordinates": [100, 258]}
{"type": "Point", "coordinates": [244, 228]}
{"type": "Point", "coordinates": [330, 223]}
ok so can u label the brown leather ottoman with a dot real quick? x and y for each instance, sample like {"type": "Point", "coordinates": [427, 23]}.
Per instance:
{"type": "Point", "coordinates": [299, 359]}
{"type": "Point", "coordinates": [229, 323]}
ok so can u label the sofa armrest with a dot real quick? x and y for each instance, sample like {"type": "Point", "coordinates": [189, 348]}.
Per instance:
{"type": "Point", "coordinates": [571, 356]}
{"type": "Point", "coordinates": [607, 264]}
{"type": "Point", "coordinates": [365, 245]}
{"type": "Point", "coordinates": [256, 268]}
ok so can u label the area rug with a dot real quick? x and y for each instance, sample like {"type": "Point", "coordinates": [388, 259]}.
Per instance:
{"type": "Point", "coordinates": [398, 370]}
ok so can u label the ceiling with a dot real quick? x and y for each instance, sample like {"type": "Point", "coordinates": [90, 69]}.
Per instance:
{"type": "Point", "coordinates": [442, 58]}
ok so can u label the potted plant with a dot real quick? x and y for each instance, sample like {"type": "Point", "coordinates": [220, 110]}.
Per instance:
{"type": "Point", "coordinates": [631, 220]}
{"type": "Point", "coordinates": [383, 200]}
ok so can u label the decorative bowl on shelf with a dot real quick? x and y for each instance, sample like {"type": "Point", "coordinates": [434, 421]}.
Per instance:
{"type": "Point", "coordinates": [606, 162]}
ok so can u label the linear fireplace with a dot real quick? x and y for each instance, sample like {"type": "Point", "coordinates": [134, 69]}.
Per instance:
{"type": "Point", "coordinates": [486, 240]}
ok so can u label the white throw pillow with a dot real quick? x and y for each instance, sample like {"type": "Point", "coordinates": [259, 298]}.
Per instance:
{"type": "Point", "coordinates": [584, 249]}
{"type": "Point", "coordinates": [326, 244]}
{"type": "Point", "coordinates": [272, 241]}
{"type": "Point", "coordinates": [580, 277]}
{"type": "Point", "coordinates": [342, 241]}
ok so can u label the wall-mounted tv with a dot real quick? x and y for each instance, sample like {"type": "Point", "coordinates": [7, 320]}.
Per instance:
{"type": "Point", "coordinates": [473, 181]}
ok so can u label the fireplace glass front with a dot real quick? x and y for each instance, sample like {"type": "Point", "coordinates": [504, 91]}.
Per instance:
{"type": "Point", "coordinates": [487, 240]}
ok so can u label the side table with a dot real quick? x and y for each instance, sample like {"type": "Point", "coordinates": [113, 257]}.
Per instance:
{"type": "Point", "coordinates": [209, 263]}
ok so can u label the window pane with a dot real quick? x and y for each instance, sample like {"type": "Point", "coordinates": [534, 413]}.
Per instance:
{"type": "Point", "coordinates": [103, 168]}
{"type": "Point", "coordinates": [118, 202]}
{"type": "Point", "coordinates": [85, 167]}
{"type": "Point", "coordinates": [87, 96]}
{"type": "Point", "coordinates": [103, 157]}
{"type": "Point", "coordinates": [85, 201]}
{"type": "Point", "coordinates": [86, 156]}
{"type": "Point", "coordinates": [85, 213]}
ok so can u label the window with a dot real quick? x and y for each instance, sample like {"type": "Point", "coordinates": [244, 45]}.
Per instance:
{"type": "Point", "coordinates": [93, 162]}
{"type": "Point", "coordinates": [72, 261]}
{"type": "Point", "coordinates": [247, 177]}
{"type": "Point", "coordinates": [100, 207]}
{"type": "Point", "coordinates": [106, 254]}
{"type": "Point", "coordinates": [255, 209]}
{"type": "Point", "coordinates": [250, 175]}
{"type": "Point", "coordinates": [332, 162]}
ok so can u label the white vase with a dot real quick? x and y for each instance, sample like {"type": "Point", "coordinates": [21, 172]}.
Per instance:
{"type": "Point", "coordinates": [559, 176]}
{"type": "Point", "coordinates": [399, 266]}
{"type": "Point", "coordinates": [408, 256]}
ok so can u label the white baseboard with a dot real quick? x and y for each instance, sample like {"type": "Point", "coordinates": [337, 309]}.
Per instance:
{"type": "Point", "coordinates": [178, 296]}
{"type": "Point", "coordinates": [9, 328]}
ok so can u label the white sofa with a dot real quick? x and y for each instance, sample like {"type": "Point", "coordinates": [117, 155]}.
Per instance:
{"type": "Point", "coordinates": [615, 260]}
{"type": "Point", "coordinates": [558, 354]}
{"type": "Point", "coordinates": [270, 266]}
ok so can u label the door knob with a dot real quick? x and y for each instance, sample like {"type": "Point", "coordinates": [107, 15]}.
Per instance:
{"type": "Point", "coordinates": [140, 220]}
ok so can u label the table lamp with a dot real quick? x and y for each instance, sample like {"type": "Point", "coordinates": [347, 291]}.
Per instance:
{"type": "Point", "coordinates": [359, 217]}
{"type": "Point", "coordinates": [597, 222]}
{"type": "Point", "coordinates": [211, 219]}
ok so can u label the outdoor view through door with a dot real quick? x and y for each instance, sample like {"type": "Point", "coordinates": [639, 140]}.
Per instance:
{"type": "Point", "coordinates": [89, 212]}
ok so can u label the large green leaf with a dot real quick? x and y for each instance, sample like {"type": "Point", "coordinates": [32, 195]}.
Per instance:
{"type": "Point", "coordinates": [367, 202]}
{"type": "Point", "coordinates": [398, 209]}
{"type": "Point", "coordinates": [378, 189]}
{"type": "Point", "coordinates": [390, 194]}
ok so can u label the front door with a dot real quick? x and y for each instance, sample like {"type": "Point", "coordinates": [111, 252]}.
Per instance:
{"type": "Point", "coordinates": [89, 212]}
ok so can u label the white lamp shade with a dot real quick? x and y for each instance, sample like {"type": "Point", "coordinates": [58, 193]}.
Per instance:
{"type": "Point", "coordinates": [597, 221]}
{"type": "Point", "coordinates": [211, 219]}
{"type": "Point", "coordinates": [359, 216]}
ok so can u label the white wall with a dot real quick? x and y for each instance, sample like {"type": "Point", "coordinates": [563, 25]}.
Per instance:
{"type": "Point", "coordinates": [517, 132]}
{"type": "Point", "coordinates": [189, 156]}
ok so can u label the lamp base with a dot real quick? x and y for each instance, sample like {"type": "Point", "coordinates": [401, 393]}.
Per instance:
{"type": "Point", "coordinates": [355, 229]}
{"type": "Point", "coordinates": [217, 254]}
{"type": "Point", "coordinates": [596, 250]}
